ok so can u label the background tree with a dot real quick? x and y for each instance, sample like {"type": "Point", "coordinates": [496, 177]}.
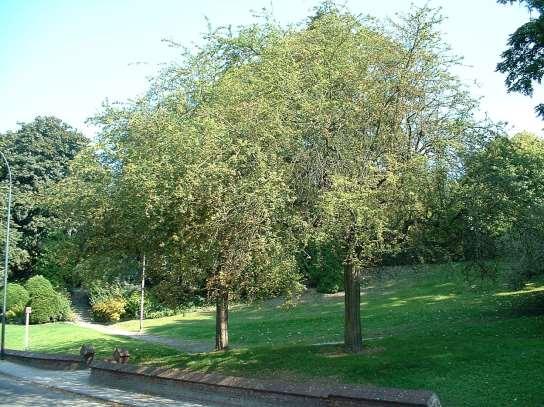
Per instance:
{"type": "Point", "coordinates": [523, 61]}
{"type": "Point", "coordinates": [39, 153]}
{"type": "Point", "coordinates": [504, 188]}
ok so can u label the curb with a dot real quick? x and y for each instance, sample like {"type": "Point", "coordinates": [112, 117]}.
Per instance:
{"type": "Point", "coordinates": [169, 382]}
{"type": "Point", "coordinates": [45, 361]}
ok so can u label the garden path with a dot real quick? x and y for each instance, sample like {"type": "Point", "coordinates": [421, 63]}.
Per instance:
{"type": "Point", "coordinates": [183, 345]}
{"type": "Point", "coordinates": [83, 319]}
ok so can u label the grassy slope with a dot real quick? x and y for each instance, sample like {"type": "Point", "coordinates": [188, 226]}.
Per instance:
{"type": "Point", "coordinates": [478, 344]}
{"type": "Point", "coordinates": [474, 344]}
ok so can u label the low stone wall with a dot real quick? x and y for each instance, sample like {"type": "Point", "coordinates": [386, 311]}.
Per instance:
{"type": "Point", "coordinates": [225, 390]}
{"type": "Point", "coordinates": [44, 360]}
{"type": "Point", "coordinates": [212, 387]}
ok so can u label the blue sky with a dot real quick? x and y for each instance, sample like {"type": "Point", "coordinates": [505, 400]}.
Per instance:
{"type": "Point", "coordinates": [65, 57]}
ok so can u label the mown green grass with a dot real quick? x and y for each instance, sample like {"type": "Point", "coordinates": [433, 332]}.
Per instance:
{"type": "Point", "coordinates": [67, 338]}
{"type": "Point", "coordinates": [475, 343]}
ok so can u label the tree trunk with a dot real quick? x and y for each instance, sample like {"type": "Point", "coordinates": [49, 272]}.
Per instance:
{"type": "Point", "coordinates": [353, 341]}
{"type": "Point", "coordinates": [142, 293]}
{"type": "Point", "coordinates": [222, 320]}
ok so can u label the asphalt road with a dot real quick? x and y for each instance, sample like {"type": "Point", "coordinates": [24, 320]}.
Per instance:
{"type": "Point", "coordinates": [17, 392]}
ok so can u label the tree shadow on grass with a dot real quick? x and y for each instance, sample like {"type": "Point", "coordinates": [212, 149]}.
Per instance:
{"type": "Point", "coordinates": [529, 305]}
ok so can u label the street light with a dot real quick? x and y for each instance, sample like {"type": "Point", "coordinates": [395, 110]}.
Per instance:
{"type": "Point", "coordinates": [6, 259]}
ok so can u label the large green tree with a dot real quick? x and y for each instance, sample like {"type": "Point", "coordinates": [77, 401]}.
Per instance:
{"type": "Point", "coordinates": [204, 205]}
{"type": "Point", "coordinates": [321, 131]}
{"type": "Point", "coordinates": [359, 112]}
{"type": "Point", "coordinates": [39, 153]}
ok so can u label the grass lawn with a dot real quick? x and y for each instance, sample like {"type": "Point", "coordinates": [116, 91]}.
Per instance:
{"type": "Point", "coordinates": [68, 338]}
{"type": "Point", "coordinates": [475, 344]}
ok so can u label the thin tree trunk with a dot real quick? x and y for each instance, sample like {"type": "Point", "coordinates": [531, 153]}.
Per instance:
{"type": "Point", "coordinates": [142, 295]}
{"type": "Point", "coordinates": [222, 320]}
{"type": "Point", "coordinates": [353, 341]}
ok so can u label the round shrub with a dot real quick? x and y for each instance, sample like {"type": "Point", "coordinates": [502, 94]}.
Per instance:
{"type": "Point", "coordinates": [109, 309]}
{"type": "Point", "coordinates": [16, 300]}
{"type": "Point", "coordinates": [47, 305]}
{"type": "Point", "coordinates": [38, 285]}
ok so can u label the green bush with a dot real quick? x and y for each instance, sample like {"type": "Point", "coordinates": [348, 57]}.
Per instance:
{"type": "Point", "coordinates": [323, 266]}
{"type": "Point", "coordinates": [17, 299]}
{"type": "Point", "coordinates": [109, 309]}
{"type": "Point", "coordinates": [101, 291]}
{"type": "Point", "coordinates": [133, 304]}
{"type": "Point", "coordinates": [47, 305]}
{"type": "Point", "coordinates": [107, 302]}
{"type": "Point", "coordinates": [115, 301]}
{"type": "Point", "coordinates": [38, 285]}
{"type": "Point", "coordinates": [10, 315]}
{"type": "Point", "coordinates": [152, 306]}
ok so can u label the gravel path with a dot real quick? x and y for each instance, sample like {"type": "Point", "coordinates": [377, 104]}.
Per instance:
{"type": "Point", "coordinates": [182, 345]}
{"type": "Point", "coordinates": [83, 319]}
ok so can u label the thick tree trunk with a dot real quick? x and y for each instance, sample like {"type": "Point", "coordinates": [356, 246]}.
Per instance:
{"type": "Point", "coordinates": [222, 321]}
{"type": "Point", "coordinates": [353, 341]}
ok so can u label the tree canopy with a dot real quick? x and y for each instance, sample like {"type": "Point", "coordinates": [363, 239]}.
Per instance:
{"type": "Point", "coordinates": [523, 60]}
{"type": "Point", "coordinates": [265, 139]}
{"type": "Point", "coordinates": [39, 153]}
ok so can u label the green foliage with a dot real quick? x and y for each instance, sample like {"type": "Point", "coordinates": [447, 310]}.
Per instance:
{"type": "Point", "coordinates": [17, 299]}
{"type": "Point", "coordinates": [266, 138]}
{"type": "Point", "coordinates": [107, 267]}
{"type": "Point", "coordinates": [132, 306]}
{"type": "Point", "coordinates": [504, 202]}
{"type": "Point", "coordinates": [101, 291]}
{"type": "Point", "coordinates": [38, 153]}
{"type": "Point", "coordinates": [47, 305]}
{"type": "Point", "coordinates": [323, 267]}
{"type": "Point", "coordinates": [38, 285]}
{"type": "Point", "coordinates": [523, 246]}
{"type": "Point", "coordinates": [108, 302]}
{"type": "Point", "coordinates": [173, 291]}
{"type": "Point", "coordinates": [18, 256]}
{"type": "Point", "coordinates": [152, 307]}
{"type": "Point", "coordinates": [58, 260]}
{"type": "Point", "coordinates": [523, 61]}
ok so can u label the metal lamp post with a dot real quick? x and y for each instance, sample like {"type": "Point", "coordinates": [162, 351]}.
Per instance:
{"type": "Point", "coordinates": [6, 260]}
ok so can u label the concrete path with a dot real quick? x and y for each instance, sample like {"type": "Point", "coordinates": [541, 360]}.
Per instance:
{"type": "Point", "coordinates": [37, 383]}
{"type": "Point", "coordinates": [19, 392]}
{"type": "Point", "coordinates": [186, 346]}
